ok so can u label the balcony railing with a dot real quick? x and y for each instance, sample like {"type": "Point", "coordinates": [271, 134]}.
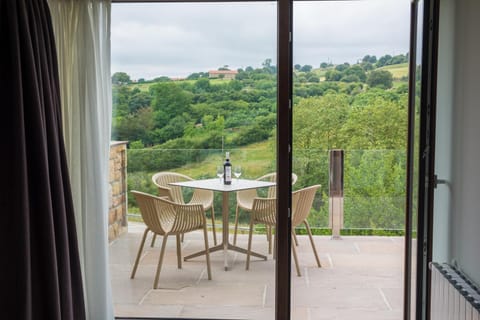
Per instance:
{"type": "Point", "coordinates": [374, 182]}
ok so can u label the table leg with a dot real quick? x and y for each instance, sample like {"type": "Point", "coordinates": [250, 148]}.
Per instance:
{"type": "Point", "coordinates": [225, 233]}
{"type": "Point", "coordinates": [221, 248]}
{"type": "Point", "coordinates": [225, 245]}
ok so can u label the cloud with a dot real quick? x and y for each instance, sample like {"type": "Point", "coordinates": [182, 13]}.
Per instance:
{"type": "Point", "coordinates": [176, 39]}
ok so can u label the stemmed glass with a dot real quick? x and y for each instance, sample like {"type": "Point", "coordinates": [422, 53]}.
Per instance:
{"type": "Point", "coordinates": [220, 172]}
{"type": "Point", "coordinates": [237, 171]}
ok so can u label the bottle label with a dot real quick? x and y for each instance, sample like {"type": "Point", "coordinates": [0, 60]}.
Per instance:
{"type": "Point", "coordinates": [228, 173]}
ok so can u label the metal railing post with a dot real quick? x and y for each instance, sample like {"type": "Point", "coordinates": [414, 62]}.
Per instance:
{"type": "Point", "coordinates": [336, 192]}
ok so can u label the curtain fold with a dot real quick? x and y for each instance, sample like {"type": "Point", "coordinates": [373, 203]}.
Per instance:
{"type": "Point", "coordinates": [82, 34]}
{"type": "Point", "coordinates": [40, 270]}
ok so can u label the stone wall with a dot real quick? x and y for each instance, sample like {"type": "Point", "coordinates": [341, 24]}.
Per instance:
{"type": "Point", "coordinates": [117, 212]}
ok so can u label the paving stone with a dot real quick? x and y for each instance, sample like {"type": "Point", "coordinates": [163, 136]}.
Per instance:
{"type": "Point", "coordinates": [360, 278]}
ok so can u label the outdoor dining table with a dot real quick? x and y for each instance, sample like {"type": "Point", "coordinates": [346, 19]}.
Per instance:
{"type": "Point", "coordinates": [217, 185]}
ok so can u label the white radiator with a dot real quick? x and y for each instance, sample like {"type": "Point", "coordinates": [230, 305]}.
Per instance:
{"type": "Point", "coordinates": [454, 297]}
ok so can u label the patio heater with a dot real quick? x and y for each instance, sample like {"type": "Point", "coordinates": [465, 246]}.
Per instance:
{"type": "Point", "coordinates": [335, 202]}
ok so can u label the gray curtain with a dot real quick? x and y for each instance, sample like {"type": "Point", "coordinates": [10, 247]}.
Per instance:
{"type": "Point", "coordinates": [40, 276]}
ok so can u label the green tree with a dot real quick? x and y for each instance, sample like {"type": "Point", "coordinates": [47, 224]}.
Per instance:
{"type": "Point", "coordinates": [369, 59]}
{"type": "Point", "coordinates": [384, 61]}
{"type": "Point", "coordinates": [138, 99]}
{"type": "Point", "coordinates": [333, 75]}
{"type": "Point", "coordinates": [399, 59]}
{"type": "Point", "coordinates": [174, 129]}
{"type": "Point", "coordinates": [262, 128]}
{"type": "Point", "coordinates": [355, 71]}
{"type": "Point", "coordinates": [120, 78]}
{"type": "Point", "coordinates": [367, 66]}
{"type": "Point", "coordinates": [267, 63]}
{"type": "Point", "coordinates": [375, 189]}
{"type": "Point", "coordinates": [268, 67]}
{"type": "Point", "coordinates": [169, 101]}
{"type": "Point", "coordinates": [314, 79]}
{"type": "Point", "coordinates": [202, 85]}
{"type": "Point", "coordinates": [380, 78]}
{"type": "Point", "coordinates": [120, 97]}
{"type": "Point", "coordinates": [193, 76]}
{"type": "Point", "coordinates": [380, 124]}
{"type": "Point", "coordinates": [317, 121]}
{"type": "Point", "coordinates": [306, 68]}
{"type": "Point", "coordinates": [342, 67]}
{"type": "Point", "coordinates": [137, 126]}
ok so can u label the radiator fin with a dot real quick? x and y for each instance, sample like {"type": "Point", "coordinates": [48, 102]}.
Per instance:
{"type": "Point", "coordinates": [454, 296]}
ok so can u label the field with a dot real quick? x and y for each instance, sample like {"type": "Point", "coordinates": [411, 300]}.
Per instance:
{"type": "Point", "coordinates": [256, 159]}
{"type": "Point", "coordinates": [398, 70]}
{"type": "Point", "coordinates": [144, 86]}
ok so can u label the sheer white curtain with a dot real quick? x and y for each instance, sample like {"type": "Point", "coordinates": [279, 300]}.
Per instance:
{"type": "Point", "coordinates": [82, 35]}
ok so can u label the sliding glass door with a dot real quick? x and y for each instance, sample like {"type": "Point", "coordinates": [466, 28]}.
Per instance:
{"type": "Point", "coordinates": [350, 123]}
{"type": "Point", "coordinates": [323, 98]}
{"type": "Point", "coordinates": [191, 83]}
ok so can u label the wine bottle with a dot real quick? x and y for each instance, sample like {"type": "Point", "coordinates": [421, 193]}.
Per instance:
{"type": "Point", "coordinates": [227, 169]}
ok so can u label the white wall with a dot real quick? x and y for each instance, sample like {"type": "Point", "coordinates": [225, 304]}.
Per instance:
{"type": "Point", "coordinates": [465, 230]}
{"type": "Point", "coordinates": [443, 149]}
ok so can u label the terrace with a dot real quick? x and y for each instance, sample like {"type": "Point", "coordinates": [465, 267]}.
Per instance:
{"type": "Point", "coordinates": [361, 276]}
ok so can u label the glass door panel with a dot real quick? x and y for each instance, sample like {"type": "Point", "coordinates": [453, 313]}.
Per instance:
{"type": "Point", "coordinates": [192, 81]}
{"type": "Point", "coordinates": [413, 168]}
{"type": "Point", "coordinates": [350, 123]}
{"type": "Point", "coordinates": [422, 110]}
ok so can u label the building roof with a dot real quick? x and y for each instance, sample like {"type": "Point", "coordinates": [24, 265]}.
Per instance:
{"type": "Point", "coordinates": [223, 72]}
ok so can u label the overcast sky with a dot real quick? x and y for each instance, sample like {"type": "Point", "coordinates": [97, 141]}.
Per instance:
{"type": "Point", "coordinates": [171, 39]}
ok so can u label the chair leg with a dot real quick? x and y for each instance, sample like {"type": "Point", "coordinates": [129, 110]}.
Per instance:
{"type": "Point", "coordinates": [249, 248]}
{"type": "Point", "coordinates": [207, 253]}
{"type": "Point", "coordinates": [269, 238]}
{"type": "Point", "coordinates": [274, 247]}
{"type": "Point", "coordinates": [179, 251]}
{"type": "Point", "coordinates": [183, 237]}
{"type": "Point", "coordinates": [313, 244]}
{"type": "Point", "coordinates": [153, 240]}
{"type": "Point", "coordinates": [236, 226]}
{"type": "Point", "coordinates": [140, 249]}
{"type": "Point", "coordinates": [295, 258]}
{"type": "Point", "coordinates": [160, 261]}
{"type": "Point", "coordinates": [295, 236]}
{"type": "Point", "coordinates": [213, 227]}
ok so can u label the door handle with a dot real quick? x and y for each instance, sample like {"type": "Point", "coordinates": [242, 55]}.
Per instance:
{"type": "Point", "coordinates": [437, 181]}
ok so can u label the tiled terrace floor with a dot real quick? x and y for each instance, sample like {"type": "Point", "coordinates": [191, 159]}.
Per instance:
{"type": "Point", "coordinates": [360, 278]}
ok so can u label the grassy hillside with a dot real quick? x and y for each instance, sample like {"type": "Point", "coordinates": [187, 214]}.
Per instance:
{"type": "Point", "coordinates": [255, 159]}
{"type": "Point", "coordinates": [398, 70]}
{"type": "Point", "coordinates": [144, 86]}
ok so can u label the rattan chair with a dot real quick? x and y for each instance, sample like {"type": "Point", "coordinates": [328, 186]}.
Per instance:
{"type": "Point", "coordinates": [164, 217]}
{"type": "Point", "coordinates": [245, 202]}
{"type": "Point", "coordinates": [264, 212]}
{"type": "Point", "coordinates": [302, 201]}
{"type": "Point", "coordinates": [175, 194]}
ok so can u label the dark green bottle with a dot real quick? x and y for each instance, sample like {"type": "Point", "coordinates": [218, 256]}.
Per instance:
{"type": "Point", "coordinates": [227, 169]}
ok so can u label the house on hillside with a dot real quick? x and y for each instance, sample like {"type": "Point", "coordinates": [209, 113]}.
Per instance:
{"type": "Point", "coordinates": [223, 74]}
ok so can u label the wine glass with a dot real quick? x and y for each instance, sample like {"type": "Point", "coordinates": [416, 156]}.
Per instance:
{"type": "Point", "coordinates": [237, 171]}
{"type": "Point", "coordinates": [220, 172]}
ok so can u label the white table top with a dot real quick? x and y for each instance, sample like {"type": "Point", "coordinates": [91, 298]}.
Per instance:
{"type": "Point", "coordinates": [216, 185]}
